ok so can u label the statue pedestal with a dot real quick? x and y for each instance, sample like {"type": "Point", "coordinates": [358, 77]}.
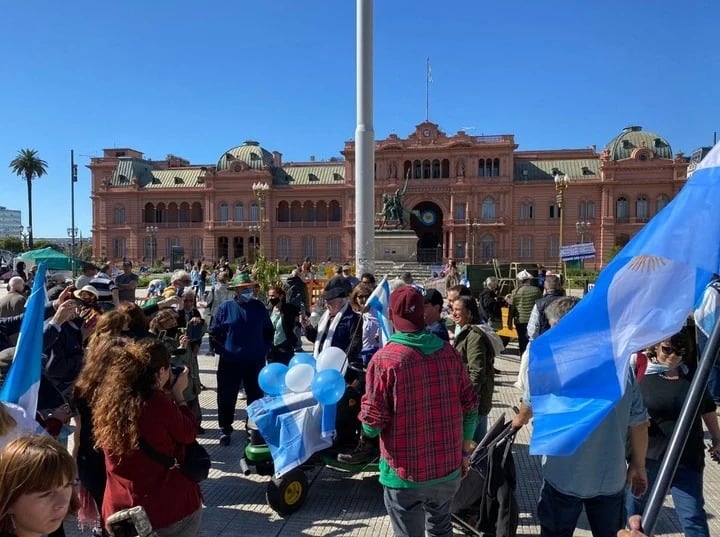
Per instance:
{"type": "Point", "coordinates": [395, 245]}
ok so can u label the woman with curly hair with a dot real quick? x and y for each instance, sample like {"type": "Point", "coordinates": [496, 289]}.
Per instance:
{"type": "Point", "coordinates": [109, 325]}
{"type": "Point", "coordinates": [37, 476]}
{"type": "Point", "coordinates": [131, 405]}
{"type": "Point", "coordinates": [91, 461]}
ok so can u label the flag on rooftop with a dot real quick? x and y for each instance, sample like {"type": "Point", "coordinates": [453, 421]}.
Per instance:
{"type": "Point", "coordinates": [429, 71]}
{"type": "Point", "coordinates": [23, 380]}
{"type": "Point", "coordinates": [578, 369]}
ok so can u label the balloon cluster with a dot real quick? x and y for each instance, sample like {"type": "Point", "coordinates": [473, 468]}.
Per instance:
{"type": "Point", "coordinates": [324, 376]}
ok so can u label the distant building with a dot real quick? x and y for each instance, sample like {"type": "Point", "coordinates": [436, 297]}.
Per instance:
{"type": "Point", "coordinates": [10, 223]}
{"type": "Point", "coordinates": [474, 198]}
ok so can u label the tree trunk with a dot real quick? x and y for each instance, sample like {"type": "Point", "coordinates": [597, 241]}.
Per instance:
{"type": "Point", "coordinates": [28, 180]}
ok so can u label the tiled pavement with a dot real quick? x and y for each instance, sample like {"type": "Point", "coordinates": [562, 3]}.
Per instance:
{"type": "Point", "coordinates": [340, 504]}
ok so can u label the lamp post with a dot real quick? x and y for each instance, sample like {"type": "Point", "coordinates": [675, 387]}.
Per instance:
{"type": "Point", "coordinates": [152, 233]}
{"type": "Point", "coordinates": [561, 184]}
{"type": "Point", "coordinates": [260, 189]}
{"type": "Point", "coordinates": [474, 225]}
{"type": "Point", "coordinates": [582, 228]}
{"type": "Point", "coordinates": [72, 233]}
{"type": "Point", "coordinates": [255, 241]}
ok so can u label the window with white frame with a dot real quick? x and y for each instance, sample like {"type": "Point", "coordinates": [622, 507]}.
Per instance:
{"type": "Point", "coordinates": [254, 213]}
{"type": "Point", "coordinates": [488, 248]}
{"type": "Point", "coordinates": [308, 247]}
{"type": "Point", "coordinates": [223, 212]}
{"type": "Point", "coordinates": [196, 247]}
{"type": "Point", "coordinates": [283, 247]}
{"type": "Point", "coordinates": [460, 211]}
{"type": "Point", "coordinates": [526, 247]}
{"type": "Point", "coordinates": [239, 212]}
{"type": "Point", "coordinates": [119, 248]}
{"type": "Point", "coordinates": [119, 215]}
{"type": "Point", "coordinates": [622, 210]}
{"type": "Point", "coordinates": [641, 209]}
{"type": "Point", "coordinates": [333, 248]}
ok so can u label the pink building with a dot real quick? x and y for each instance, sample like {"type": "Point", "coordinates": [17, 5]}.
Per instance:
{"type": "Point", "coordinates": [474, 198]}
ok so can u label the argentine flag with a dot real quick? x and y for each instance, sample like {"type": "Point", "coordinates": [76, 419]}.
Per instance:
{"type": "Point", "coordinates": [379, 304]}
{"type": "Point", "coordinates": [23, 380]}
{"type": "Point", "coordinates": [578, 369]}
{"type": "Point", "coordinates": [295, 426]}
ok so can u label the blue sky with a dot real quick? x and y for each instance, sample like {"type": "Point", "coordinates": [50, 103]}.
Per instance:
{"type": "Point", "coordinates": [195, 79]}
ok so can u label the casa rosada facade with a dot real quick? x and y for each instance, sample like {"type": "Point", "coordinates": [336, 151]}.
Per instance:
{"type": "Point", "coordinates": [472, 198]}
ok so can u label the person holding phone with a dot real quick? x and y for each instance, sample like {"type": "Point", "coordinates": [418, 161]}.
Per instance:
{"type": "Point", "coordinates": [134, 394]}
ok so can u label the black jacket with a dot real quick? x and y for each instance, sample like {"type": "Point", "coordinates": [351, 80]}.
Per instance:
{"type": "Point", "coordinates": [542, 304]}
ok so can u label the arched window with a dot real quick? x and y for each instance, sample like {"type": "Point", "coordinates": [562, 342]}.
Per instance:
{"type": "Point", "coordinates": [426, 169]}
{"type": "Point", "coordinates": [196, 213]}
{"type": "Point", "coordinates": [333, 248]}
{"type": "Point", "coordinates": [239, 212]}
{"type": "Point", "coordinates": [283, 248]}
{"type": "Point", "coordinates": [436, 169]}
{"type": "Point", "coordinates": [308, 247]}
{"type": "Point", "coordinates": [254, 213]}
{"type": "Point", "coordinates": [660, 203]}
{"type": "Point", "coordinates": [523, 211]}
{"type": "Point", "coordinates": [445, 168]}
{"type": "Point", "coordinates": [526, 247]}
{"type": "Point", "coordinates": [407, 168]}
{"type": "Point", "coordinates": [223, 212]}
{"type": "Point", "coordinates": [150, 248]}
{"type": "Point", "coordinates": [283, 212]}
{"type": "Point", "coordinates": [149, 214]}
{"type": "Point", "coordinates": [641, 209]}
{"type": "Point", "coordinates": [622, 211]}
{"type": "Point", "coordinates": [184, 214]}
{"type": "Point", "coordinates": [335, 211]}
{"type": "Point", "coordinates": [160, 213]}
{"type": "Point", "coordinates": [488, 167]}
{"type": "Point", "coordinates": [487, 245]}
{"type": "Point", "coordinates": [322, 211]}
{"type": "Point", "coordinates": [172, 213]}
{"type": "Point", "coordinates": [481, 167]}
{"type": "Point", "coordinates": [488, 209]}
{"type": "Point", "coordinates": [308, 211]}
{"type": "Point", "coordinates": [496, 167]}
{"type": "Point", "coordinates": [119, 216]}
{"type": "Point", "coordinates": [417, 169]}
{"type": "Point", "coordinates": [582, 210]}
{"type": "Point", "coordinates": [295, 211]}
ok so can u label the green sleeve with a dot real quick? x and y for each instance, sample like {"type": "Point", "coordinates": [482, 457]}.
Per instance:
{"type": "Point", "coordinates": [469, 424]}
{"type": "Point", "coordinates": [371, 432]}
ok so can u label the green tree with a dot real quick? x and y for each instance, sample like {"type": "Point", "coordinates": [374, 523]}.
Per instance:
{"type": "Point", "coordinates": [28, 165]}
{"type": "Point", "coordinates": [12, 244]}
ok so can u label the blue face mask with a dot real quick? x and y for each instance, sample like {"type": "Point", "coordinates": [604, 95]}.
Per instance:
{"type": "Point", "coordinates": [247, 294]}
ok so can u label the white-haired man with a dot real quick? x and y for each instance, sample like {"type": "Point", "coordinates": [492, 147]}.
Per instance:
{"type": "Point", "coordinates": [14, 302]}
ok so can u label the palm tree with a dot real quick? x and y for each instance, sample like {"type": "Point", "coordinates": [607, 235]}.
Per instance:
{"type": "Point", "coordinates": [28, 165]}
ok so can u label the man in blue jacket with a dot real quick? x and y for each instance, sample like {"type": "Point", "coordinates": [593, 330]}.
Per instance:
{"type": "Point", "coordinates": [241, 334]}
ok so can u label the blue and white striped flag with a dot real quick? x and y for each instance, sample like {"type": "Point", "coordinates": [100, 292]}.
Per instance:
{"type": "Point", "coordinates": [578, 369]}
{"type": "Point", "coordinates": [294, 426]}
{"type": "Point", "coordinates": [379, 304]}
{"type": "Point", "coordinates": [23, 380]}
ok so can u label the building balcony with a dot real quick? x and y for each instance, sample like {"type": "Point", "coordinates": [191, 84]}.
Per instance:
{"type": "Point", "coordinates": [308, 224]}
{"type": "Point", "coordinates": [173, 225]}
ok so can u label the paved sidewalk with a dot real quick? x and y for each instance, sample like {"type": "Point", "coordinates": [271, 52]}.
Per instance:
{"type": "Point", "coordinates": [340, 504]}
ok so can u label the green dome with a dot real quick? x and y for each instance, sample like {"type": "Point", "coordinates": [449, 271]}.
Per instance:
{"type": "Point", "coordinates": [256, 157]}
{"type": "Point", "coordinates": [632, 138]}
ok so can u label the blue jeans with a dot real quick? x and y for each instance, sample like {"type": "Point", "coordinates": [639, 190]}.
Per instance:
{"type": "Point", "coordinates": [412, 511]}
{"type": "Point", "coordinates": [687, 494]}
{"type": "Point", "coordinates": [558, 513]}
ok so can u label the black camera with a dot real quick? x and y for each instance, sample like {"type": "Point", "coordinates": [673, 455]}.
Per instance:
{"type": "Point", "coordinates": [175, 372]}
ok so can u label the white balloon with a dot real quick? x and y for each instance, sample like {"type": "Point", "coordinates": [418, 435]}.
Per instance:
{"type": "Point", "coordinates": [299, 377]}
{"type": "Point", "coordinates": [332, 358]}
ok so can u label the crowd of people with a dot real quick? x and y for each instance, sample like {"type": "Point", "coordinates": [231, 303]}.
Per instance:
{"type": "Point", "coordinates": [125, 374]}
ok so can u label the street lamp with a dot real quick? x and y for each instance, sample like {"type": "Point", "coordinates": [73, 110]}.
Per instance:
{"type": "Point", "coordinates": [152, 232]}
{"type": "Point", "coordinates": [561, 183]}
{"type": "Point", "coordinates": [255, 241]}
{"type": "Point", "coordinates": [260, 189]}
{"type": "Point", "coordinates": [473, 231]}
{"type": "Point", "coordinates": [582, 228]}
{"type": "Point", "coordinates": [72, 233]}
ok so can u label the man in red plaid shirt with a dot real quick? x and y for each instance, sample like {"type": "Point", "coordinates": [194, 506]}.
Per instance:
{"type": "Point", "coordinates": [421, 403]}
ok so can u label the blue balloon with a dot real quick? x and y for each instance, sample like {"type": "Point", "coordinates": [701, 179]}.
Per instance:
{"type": "Point", "coordinates": [272, 378]}
{"type": "Point", "coordinates": [328, 386]}
{"type": "Point", "coordinates": [303, 358]}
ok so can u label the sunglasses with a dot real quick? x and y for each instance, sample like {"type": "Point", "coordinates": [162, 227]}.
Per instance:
{"type": "Point", "coordinates": [671, 350]}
